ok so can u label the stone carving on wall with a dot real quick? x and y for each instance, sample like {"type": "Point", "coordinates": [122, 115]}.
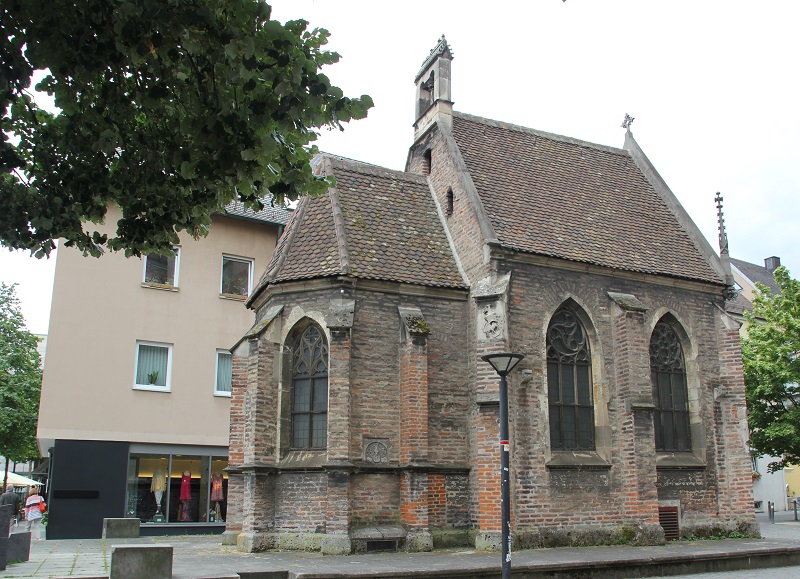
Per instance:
{"type": "Point", "coordinates": [414, 323]}
{"type": "Point", "coordinates": [340, 314]}
{"type": "Point", "coordinates": [376, 450]}
{"type": "Point", "coordinates": [492, 319]}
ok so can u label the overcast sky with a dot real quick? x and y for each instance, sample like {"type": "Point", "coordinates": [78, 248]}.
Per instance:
{"type": "Point", "coordinates": [713, 87]}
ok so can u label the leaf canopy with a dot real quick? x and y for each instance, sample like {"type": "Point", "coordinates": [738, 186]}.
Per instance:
{"type": "Point", "coordinates": [20, 381]}
{"type": "Point", "coordinates": [771, 357]}
{"type": "Point", "coordinates": [169, 109]}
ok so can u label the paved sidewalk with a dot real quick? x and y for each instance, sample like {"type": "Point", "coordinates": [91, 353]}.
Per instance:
{"type": "Point", "coordinates": [203, 557]}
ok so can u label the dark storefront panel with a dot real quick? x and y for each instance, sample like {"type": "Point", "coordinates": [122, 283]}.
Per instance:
{"type": "Point", "coordinates": [87, 484]}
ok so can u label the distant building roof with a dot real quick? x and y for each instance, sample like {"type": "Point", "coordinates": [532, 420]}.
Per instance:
{"type": "Point", "coordinates": [269, 214]}
{"type": "Point", "coordinates": [571, 199]}
{"type": "Point", "coordinates": [757, 274]}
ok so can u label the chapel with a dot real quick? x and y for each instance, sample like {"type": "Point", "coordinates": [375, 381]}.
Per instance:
{"type": "Point", "coordinates": [362, 415]}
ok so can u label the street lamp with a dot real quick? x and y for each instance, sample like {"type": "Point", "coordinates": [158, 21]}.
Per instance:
{"type": "Point", "coordinates": [503, 364]}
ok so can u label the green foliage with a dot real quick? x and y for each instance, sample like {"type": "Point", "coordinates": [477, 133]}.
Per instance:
{"type": "Point", "coordinates": [20, 381]}
{"type": "Point", "coordinates": [170, 109]}
{"type": "Point", "coordinates": [772, 371]}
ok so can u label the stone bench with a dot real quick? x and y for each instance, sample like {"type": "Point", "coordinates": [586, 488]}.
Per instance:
{"type": "Point", "coordinates": [138, 561]}
{"type": "Point", "coordinates": [121, 528]}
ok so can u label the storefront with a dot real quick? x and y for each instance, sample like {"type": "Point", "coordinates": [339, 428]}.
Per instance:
{"type": "Point", "coordinates": [171, 489]}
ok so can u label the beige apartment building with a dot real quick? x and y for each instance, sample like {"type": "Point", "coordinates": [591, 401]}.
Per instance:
{"type": "Point", "coordinates": [136, 389]}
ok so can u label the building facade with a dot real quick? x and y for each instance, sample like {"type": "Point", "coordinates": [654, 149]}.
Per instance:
{"type": "Point", "coordinates": [136, 386]}
{"type": "Point", "coordinates": [362, 415]}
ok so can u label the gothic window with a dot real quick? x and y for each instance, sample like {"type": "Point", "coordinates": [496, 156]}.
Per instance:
{"type": "Point", "coordinates": [310, 390]}
{"type": "Point", "coordinates": [569, 384]}
{"type": "Point", "coordinates": [670, 392]}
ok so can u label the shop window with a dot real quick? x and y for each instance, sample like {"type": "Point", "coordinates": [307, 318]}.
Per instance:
{"type": "Point", "coordinates": [222, 384]}
{"type": "Point", "coordinates": [161, 270]}
{"type": "Point", "coordinates": [153, 366]}
{"type": "Point", "coordinates": [237, 276]}
{"type": "Point", "coordinates": [177, 489]}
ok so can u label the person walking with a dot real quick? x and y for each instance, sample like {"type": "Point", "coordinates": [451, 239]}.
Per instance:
{"type": "Point", "coordinates": [11, 499]}
{"type": "Point", "coordinates": [35, 508]}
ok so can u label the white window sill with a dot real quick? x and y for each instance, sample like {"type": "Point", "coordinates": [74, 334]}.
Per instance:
{"type": "Point", "coordinates": [235, 297]}
{"type": "Point", "coordinates": [222, 394]}
{"type": "Point", "coordinates": [148, 388]}
{"type": "Point", "coordinates": [160, 286]}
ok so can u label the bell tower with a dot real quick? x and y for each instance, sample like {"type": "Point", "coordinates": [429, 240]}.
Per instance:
{"type": "Point", "coordinates": [433, 89]}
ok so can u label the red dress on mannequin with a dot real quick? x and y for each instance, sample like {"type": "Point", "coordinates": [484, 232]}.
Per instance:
{"type": "Point", "coordinates": [186, 481]}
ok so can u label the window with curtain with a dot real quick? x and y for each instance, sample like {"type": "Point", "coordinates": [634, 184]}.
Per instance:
{"type": "Point", "coordinates": [153, 366]}
{"type": "Point", "coordinates": [310, 390]}
{"type": "Point", "coordinates": [569, 384]}
{"type": "Point", "coordinates": [222, 385]}
{"type": "Point", "coordinates": [670, 391]}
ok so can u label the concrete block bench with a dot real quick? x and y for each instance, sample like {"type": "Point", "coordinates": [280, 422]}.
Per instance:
{"type": "Point", "coordinates": [138, 561]}
{"type": "Point", "coordinates": [121, 528]}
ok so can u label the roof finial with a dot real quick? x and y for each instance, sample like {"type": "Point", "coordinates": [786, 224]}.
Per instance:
{"type": "Point", "coordinates": [729, 293]}
{"type": "Point", "coordinates": [627, 122]}
{"type": "Point", "coordinates": [723, 236]}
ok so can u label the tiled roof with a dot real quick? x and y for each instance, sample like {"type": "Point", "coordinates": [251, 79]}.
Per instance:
{"type": "Point", "coordinates": [757, 274]}
{"type": "Point", "coordinates": [376, 223]}
{"type": "Point", "coordinates": [269, 214]}
{"type": "Point", "coordinates": [561, 197]}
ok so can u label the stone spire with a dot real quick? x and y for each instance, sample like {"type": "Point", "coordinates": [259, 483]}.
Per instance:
{"type": "Point", "coordinates": [433, 89]}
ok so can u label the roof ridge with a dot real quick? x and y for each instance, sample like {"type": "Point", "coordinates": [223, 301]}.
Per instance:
{"type": "Point", "coordinates": [338, 223]}
{"type": "Point", "coordinates": [543, 134]}
{"type": "Point", "coordinates": [345, 164]}
{"type": "Point", "coordinates": [287, 239]}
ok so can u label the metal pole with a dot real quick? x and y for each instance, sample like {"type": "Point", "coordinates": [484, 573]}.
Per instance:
{"type": "Point", "coordinates": [795, 509]}
{"type": "Point", "coordinates": [505, 480]}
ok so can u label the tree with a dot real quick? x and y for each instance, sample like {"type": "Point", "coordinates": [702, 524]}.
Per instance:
{"type": "Point", "coordinates": [772, 371]}
{"type": "Point", "coordinates": [168, 108]}
{"type": "Point", "coordinates": [20, 382]}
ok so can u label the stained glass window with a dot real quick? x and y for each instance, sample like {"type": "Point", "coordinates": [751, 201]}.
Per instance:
{"type": "Point", "coordinates": [569, 384]}
{"type": "Point", "coordinates": [670, 393]}
{"type": "Point", "coordinates": [310, 390]}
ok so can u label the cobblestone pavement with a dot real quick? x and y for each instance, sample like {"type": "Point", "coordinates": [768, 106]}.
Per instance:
{"type": "Point", "coordinates": [203, 556]}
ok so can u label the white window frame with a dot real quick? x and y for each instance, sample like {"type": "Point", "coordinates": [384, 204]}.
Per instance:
{"type": "Point", "coordinates": [177, 271]}
{"type": "Point", "coordinates": [151, 387]}
{"type": "Point", "coordinates": [217, 391]}
{"type": "Point", "coordinates": [249, 261]}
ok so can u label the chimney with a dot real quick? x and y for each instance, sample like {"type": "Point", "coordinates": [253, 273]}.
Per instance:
{"type": "Point", "coordinates": [772, 263]}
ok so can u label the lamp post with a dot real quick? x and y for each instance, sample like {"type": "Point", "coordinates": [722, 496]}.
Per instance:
{"type": "Point", "coordinates": [503, 364]}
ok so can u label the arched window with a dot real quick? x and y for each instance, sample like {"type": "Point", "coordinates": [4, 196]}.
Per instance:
{"type": "Point", "coordinates": [670, 392]}
{"type": "Point", "coordinates": [569, 384]}
{"type": "Point", "coordinates": [310, 390]}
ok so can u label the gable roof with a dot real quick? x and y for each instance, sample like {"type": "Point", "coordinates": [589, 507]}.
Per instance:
{"type": "Point", "coordinates": [375, 224]}
{"type": "Point", "coordinates": [556, 196]}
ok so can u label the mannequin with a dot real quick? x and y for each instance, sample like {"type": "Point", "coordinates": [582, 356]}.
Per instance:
{"type": "Point", "coordinates": [186, 495]}
{"type": "Point", "coordinates": [157, 487]}
{"type": "Point", "coordinates": [217, 494]}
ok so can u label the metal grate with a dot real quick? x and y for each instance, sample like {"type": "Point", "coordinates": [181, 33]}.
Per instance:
{"type": "Point", "coordinates": [381, 546]}
{"type": "Point", "coordinates": [668, 519]}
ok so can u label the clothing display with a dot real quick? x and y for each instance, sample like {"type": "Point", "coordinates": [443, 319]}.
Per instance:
{"type": "Point", "coordinates": [159, 482]}
{"type": "Point", "coordinates": [186, 481]}
{"type": "Point", "coordinates": [216, 487]}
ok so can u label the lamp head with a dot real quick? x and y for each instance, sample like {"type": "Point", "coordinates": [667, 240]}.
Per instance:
{"type": "Point", "coordinates": [503, 363]}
